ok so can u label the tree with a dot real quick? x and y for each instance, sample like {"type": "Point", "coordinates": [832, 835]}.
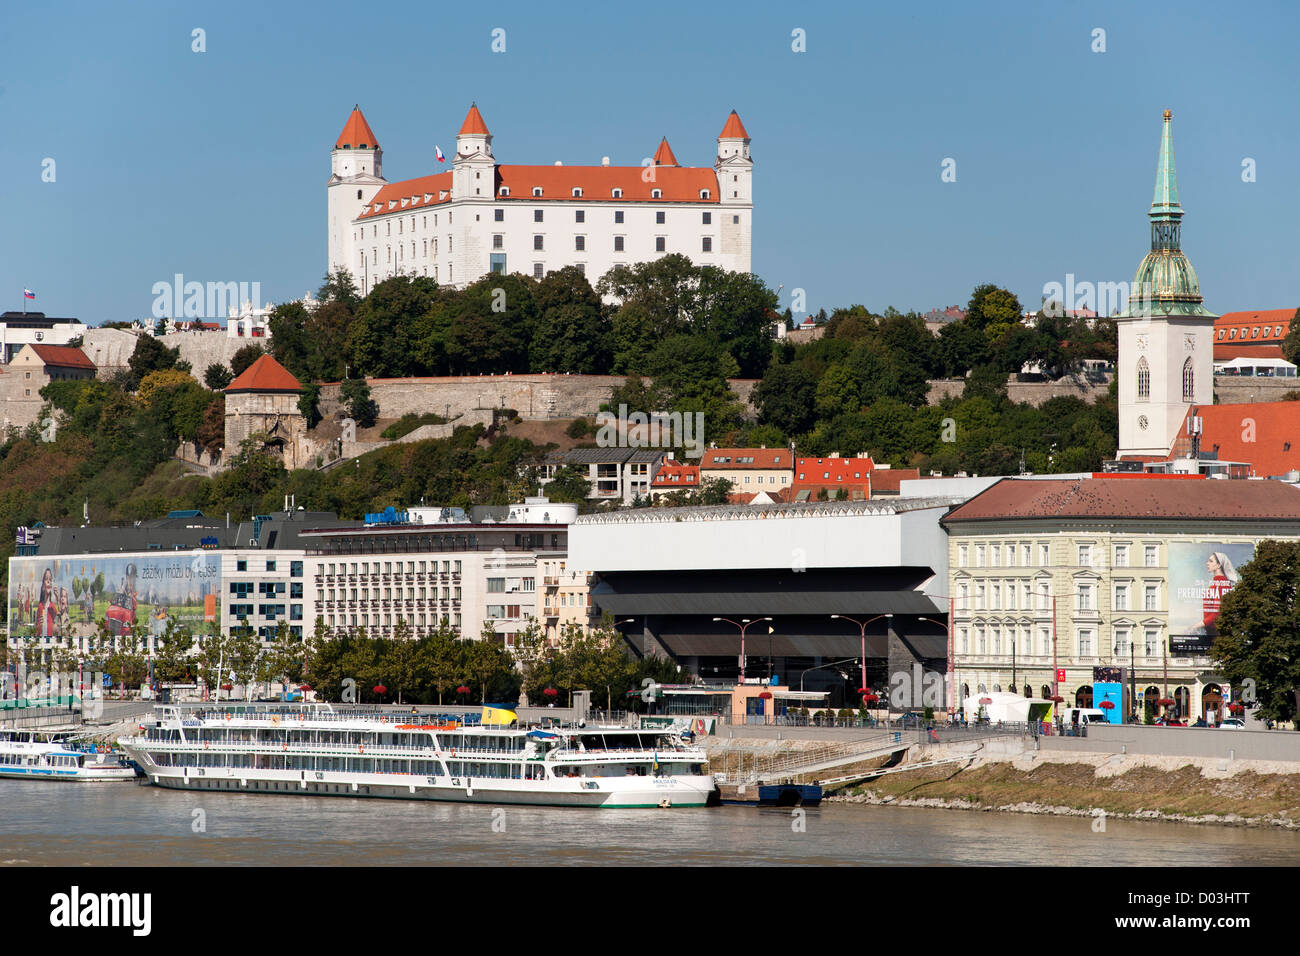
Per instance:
{"type": "Point", "coordinates": [340, 287]}
{"type": "Point", "coordinates": [993, 311]}
{"type": "Point", "coordinates": [150, 355]}
{"type": "Point", "coordinates": [1291, 343]}
{"type": "Point", "coordinates": [569, 484]}
{"type": "Point", "coordinates": [1259, 629]}
{"type": "Point", "coordinates": [245, 357]}
{"type": "Point", "coordinates": [785, 398]}
{"type": "Point", "coordinates": [355, 393]}
{"type": "Point", "coordinates": [216, 376]}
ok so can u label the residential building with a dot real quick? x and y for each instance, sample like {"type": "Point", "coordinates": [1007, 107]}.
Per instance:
{"type": "Point", "coordinates": [749, 470]}
{"type": "Point", "coordinates": [1115, 571]}
{"type": "Point", "coordinates": [480, 216]}
{"type": "Point", "coordinates": [566, 597]}
{"type": "Point", "coordinates": [616, 474]}
{"type": "Point", "coordinates": [674, 476]}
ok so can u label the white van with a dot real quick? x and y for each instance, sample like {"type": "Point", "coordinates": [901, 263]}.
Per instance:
{"type": "Point", "coordinates": [1085, 715]}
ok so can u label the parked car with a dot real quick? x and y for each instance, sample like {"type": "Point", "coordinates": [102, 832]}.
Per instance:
{"type": "Point", "coordinates": [913, 718]}
{"type": "Point", "coordinates": [1232, 723]}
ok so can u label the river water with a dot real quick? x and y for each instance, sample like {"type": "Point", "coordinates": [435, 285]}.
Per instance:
{"type": "Point", "coordinates": [127, 824]}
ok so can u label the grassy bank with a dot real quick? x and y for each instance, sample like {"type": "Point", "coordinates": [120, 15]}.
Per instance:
{"type": "Point", "coordinates": [1182, 793]}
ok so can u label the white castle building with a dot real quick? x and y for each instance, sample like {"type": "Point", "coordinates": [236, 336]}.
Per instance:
{"type": "Point", "coordinates": [480, 216]}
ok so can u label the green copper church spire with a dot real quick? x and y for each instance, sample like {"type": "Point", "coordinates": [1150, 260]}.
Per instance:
{"type": "Point", "coordinates": [1165, 283]}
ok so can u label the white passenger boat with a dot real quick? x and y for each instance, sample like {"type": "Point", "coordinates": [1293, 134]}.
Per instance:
{"type": "Point", "coordinates": [314, 749]}
{"type": "Point", "coordinates": [42, 755]}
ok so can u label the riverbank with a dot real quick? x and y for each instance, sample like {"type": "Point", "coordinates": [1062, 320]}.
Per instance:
{"type": "Point", "coordinates": [1103, 786]}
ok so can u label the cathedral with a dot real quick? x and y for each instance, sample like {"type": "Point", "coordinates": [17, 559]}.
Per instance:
{"type": "Point", "coordinates": [1166, 335]}
{"type": "Point", "coordinates": [480, 216]}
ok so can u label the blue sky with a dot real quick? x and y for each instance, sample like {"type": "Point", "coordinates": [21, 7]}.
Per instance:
{"type": "Point", "coordinates": [214, 164]}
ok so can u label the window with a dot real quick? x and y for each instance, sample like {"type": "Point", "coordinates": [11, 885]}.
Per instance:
{"type": "Point", "coordinates": [1044, 555]}
{"type": "Point", "coordinates": [995, 597]}
{"type": "Point", "coordinates": [980, 551]}
{"type": "Point", "coordinates": [1121, 556]}
{"type": "Point", "coordinates": [505, 191]}
{"type": "Point", "coordinates": [537, 190]}
{"type": "Point", "coordinates": [1085, 598]}
{"type": "Point", "coordinates": [656, 194]}
{"type": "Point", "coordinates": [498, 215]}
{"type": "Point", "coordinates": [537, 243]}
{"type": "Point", "coordinates": [659, 217]}
{"type": "Point", "coordinates": [618, 216]}
{"type": "Point", "coordinates": [735, 220]}
{"type": "Point", "coordinates": [617, 194]}
{"type": "Point", "coordinates": [577, 194]}
{"type": "Point", "coordinates": [963, 596]}
{"type": "Point", "coordinates": [537, 270]}
{"type": "Point", "coordinates": [1121, 642]}
{"type": "Point", "coordinates": [1151, 597]}
{"type": "Point", "coordinates": [579, 243]}
{"type": "Point", "coordinates": [995, 555]}
{"type": "Point", "coordinates": [1189, 381]}
{"type": "Point", "coordinates": [659, 243]}
{"type": "Point", "coordinates": [1085, 555]}
{"type": "Point", "coordinates": [579, 215]}
{"type": "Point", "coordinates": [1085, 642]}
{"type": "Point", "coordinates": [963, 554]}
{"type": "Point", "coordinates": [1144, 380]}
{"type": "Point", "coordinates": [706, 217]}
{"type": "Point", "coordinates": [496, 584]}
{"type": "Point", "coordinates": [979, 596]}
{"type": "Point", "coordinates": [1150, 555]}
{"type": "Point", "coordinates": [706, 244]}
{"type": "Point", "coordinates": [1121, 597]}
{"type": "Point", "coordinates": [537, 215]}
{"type": "Point", "coordinates": [498, 241]}
{"type": "Point", "coordinates": [241, 565]}
{"type": "Point", "coordinates": [270, 565]}
{"type": "Point", "coordinates": [1150, 640]}
{"type": "Point", "coordinates": [618, 243]}
{"type": "Point", "coordinates": [1026, 552]}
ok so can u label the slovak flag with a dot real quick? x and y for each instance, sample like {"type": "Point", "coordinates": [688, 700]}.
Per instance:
{"type": "Point", "coordinates": [438, 154]}
{"type": "Point", "coordinates": [28, 294]}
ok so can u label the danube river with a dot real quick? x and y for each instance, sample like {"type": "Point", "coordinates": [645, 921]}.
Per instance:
{"type": "Point", "coordinates": [126, 824]}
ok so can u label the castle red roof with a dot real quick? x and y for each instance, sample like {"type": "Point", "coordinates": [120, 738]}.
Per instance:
{"type": "Point", "coordinates": [473, 125]}
{"type": "Point", "coordinates": [356, 133]}
{"type": "Point", "coordinates": [265, 375]}
{"type": "Point", "coordinates": [423, 191]}
{"type": "Point", "coordinates": [734, 129]}
{"type": "Point", "coordinates": [664, 154]}
{"type": "Point", "coordinates": [63, 356]}
{"type": "Point", "coordinates": [1265, 434]}
{"type": "Point", "coordinates": [1256, 334]}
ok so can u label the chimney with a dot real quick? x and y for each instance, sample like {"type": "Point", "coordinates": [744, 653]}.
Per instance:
{"type": "Point", "coordinates": [604, 160]}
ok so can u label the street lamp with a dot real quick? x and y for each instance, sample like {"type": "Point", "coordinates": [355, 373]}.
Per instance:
{"type": "Point", "coordinates": [820, 667]}
{"type": "Point", "coordinates": [862, 628]}
{"type": "Point", "coordinates": [743, 624]}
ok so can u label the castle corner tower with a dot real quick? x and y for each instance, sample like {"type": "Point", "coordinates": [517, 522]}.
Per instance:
{"type": "Point", "coordinates": [356, 174]}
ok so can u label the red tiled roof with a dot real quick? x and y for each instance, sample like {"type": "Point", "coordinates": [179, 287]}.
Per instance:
{"type": "Point", "coordinates": [675, 183]}
{"type": "Point", "coordinates": [473, 125]}
{"type": "Point", "coordinates": [412, 190]}
{"type": "Point", "coordinates": [664, 154]}
{"type": "Point", "coordinates": [63, 356]}
{"type": "Point", "coordinates": [1226, 353]}
{"type": "Point", "coordinates": [676, 476]}
{"type": "Point", "coordinates": [1266, 434]}
{"type": "Point", "coordinates": [265, 375]}
{"type": "Point", "coordinates": [356, 133]}
{"type": "Point", "coordinates": [816, 472]}
{"type": "Point", "coordinates": [1250, 331]}
{"type": "Point", "coordinates": [764, 459]}
{"type": "Point", "coordinates": [1145, 498]}
{"type": "Point", "coordinates": [884, 481]}
{"type": "Point", "coordinates": [734, 129]}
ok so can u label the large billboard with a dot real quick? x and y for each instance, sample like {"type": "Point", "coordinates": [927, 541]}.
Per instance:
{"type": "Point", "coordinates": [68, 596]}
{"type": "Point", "coordinates": [1200, 574]}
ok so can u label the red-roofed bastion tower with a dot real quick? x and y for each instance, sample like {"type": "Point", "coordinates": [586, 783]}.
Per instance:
{"type": "Point", "coordinates": [356, 174]}
{"type": "Point", "coordinates": [735, 171]}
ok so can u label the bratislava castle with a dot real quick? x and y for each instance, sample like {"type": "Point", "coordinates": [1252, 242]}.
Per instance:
{"type": "Point", "coordinates": [481, 216]}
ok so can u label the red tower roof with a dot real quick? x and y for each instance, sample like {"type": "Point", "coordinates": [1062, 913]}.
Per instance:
{"type": "Point", "coordinates": [265, 375]}
{"type": "Point", "coordinates": [734, 129]}
{"type": "Point", "coordinates": [356, 133]}
{"type": "Point", "coordinates": [664, 154]}
{"type": "Point", "coordinates": [473, 125]}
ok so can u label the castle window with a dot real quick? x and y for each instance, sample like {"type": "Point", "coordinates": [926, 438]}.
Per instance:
{"type": "Point", "coordinates": [537, 190]}
{"type": "Point", "coordinates": [1144, 380]}
{"type": "Point", "coordinates": [1232, 334]}
{"type": "Point", "coordinates": [358, 193]}
{"type": "Point", "coordinates": [580, 243]}
{"type": "Point", "coordinates": [537, 270]}
{"type": "Point", "coordinates": [1222, 332]}
{"type": "Point", "coordinates": [707, 218]}
{"type": "Point", "coordinates": [537, 243]}
{"type": "Point", "coordinates": [579, 215]}
{"type": "Point", "coordinates": [1189, 381]}
{"type": "Point", "coordinates": [659, 243]}
{"type": "Point", "coordinates": [1266, 331]}
{"type": "Point", "coordinates": [704, 194]}
{"type": "Point", "coordinates": [618, 243]}
{"type": "Point", "coordinates": [1277, 330]}
{"type": "Point", "coordinates": [505, 190]}
{"type": "Point", "coordinates": [499, 215]}
{"type": "Point", "coordinates": [618, 216]}
{"type": "Point", "coordinates": [656, 194]}
{"type": "Point", "coordinates": [735, 220]}
{"type": "Point", "coordinates": [1254, 333]}
{"type": "Point", "coordinates": [577, 193]}
{"type": "Point", "coordinates": [537, 215]}
{"type": "Point", "coordinates": [707, 244]}
{"type": "Point", "coordinates": [659, 217]}
{"type": "Point", "coordinates": [617, 193]}
{"type": "Point", "coordinates": [498, 241]}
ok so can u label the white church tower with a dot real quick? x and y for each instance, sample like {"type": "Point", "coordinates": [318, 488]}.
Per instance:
{"type": "Point", "coordinates": [356, 174]}
{"type": "Point", "coordinates": [1166, 336]}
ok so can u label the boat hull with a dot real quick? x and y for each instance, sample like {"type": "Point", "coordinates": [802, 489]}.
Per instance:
{"type": "Point", "coordinates": [112, 775]}
{"type": "Point", "coordinates": [609, 792]}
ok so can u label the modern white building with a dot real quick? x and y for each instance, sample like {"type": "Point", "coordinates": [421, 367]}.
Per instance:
{"type": "Point", "coordinates": [481, 216]}
{"type": "Point", "coordinates": [18, 329]}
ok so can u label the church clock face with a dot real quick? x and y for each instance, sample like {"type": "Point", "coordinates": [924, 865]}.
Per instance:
{"type": "Point", "coordinates": [1142, 343]}
{"type": "Point", "coordinates": [1189, 343]}
{"type": "Point", "coordinates": [1142, 422]}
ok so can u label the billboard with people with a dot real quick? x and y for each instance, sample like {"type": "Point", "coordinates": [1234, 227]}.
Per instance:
{"type": "Point", "coordinates": [70, 596]}
{"type": "Point", "coordinates": [1200, 574]}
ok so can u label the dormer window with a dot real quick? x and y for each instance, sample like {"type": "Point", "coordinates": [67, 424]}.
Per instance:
{"type": "Point", "coordinates": [392, 204]}
{"type": "Point", "coordinates": [704, 194]}
{"type": "Point", "coordinates": [537, 190]}
{"type": "Point", "coordinates": [656, 194]}
{"type": "Point", "coordinates": [1232, 334]}
{"type": "Point", "coordinates": [577, 193]}
{"type": "Point", "coordinates": [1254, 333]}
{"type": "Point", "coordinates": [505, 190]}
{"type": "Point", "coordinates": [617, 193]}
{"type": "Point", "coordinates": [1266, 331]}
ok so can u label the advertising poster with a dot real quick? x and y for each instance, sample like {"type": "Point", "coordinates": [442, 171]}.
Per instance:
{"type": "Point", "coordinates": [1200, 574]}
{"type": "Point", "coordinates": [68, 596]}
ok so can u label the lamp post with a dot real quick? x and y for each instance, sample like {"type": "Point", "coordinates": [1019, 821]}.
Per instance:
{"type": "Point", "coordinates": [862, 629]}
{"type": "Point", "coordinates": [743, 624]}
{"type": "Point", "coordinates": [822, 667]}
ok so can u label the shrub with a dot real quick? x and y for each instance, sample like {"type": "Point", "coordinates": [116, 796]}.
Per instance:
{"type": "Point", "coordinates": [578, 428]}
